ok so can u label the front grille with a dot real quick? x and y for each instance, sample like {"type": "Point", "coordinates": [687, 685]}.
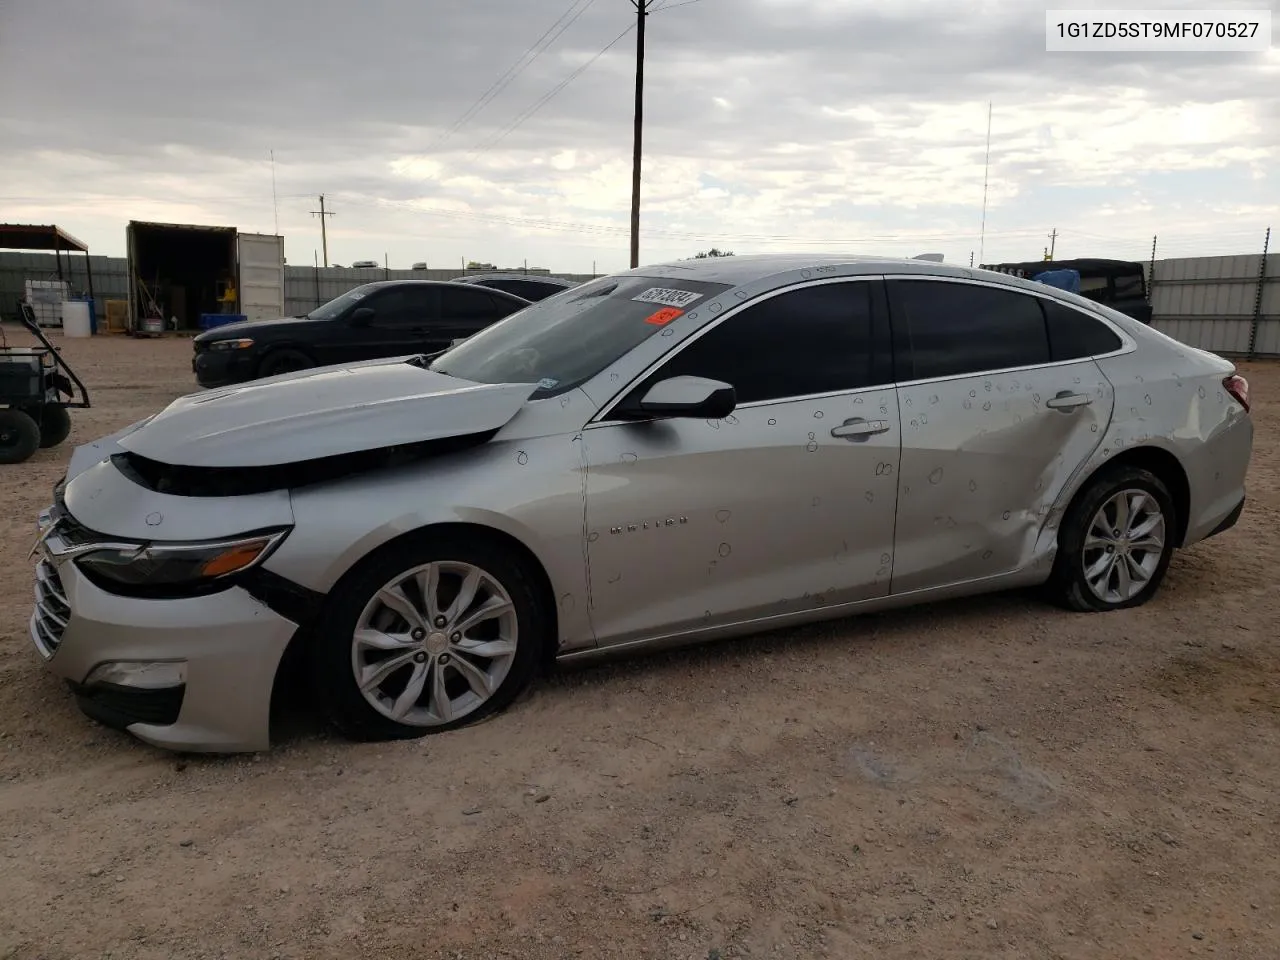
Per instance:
{"type": "Point", "coordinates": [52, 611]}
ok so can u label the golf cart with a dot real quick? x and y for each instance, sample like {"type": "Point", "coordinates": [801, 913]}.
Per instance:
{"type": "Point", "coordinates": [33, 384]}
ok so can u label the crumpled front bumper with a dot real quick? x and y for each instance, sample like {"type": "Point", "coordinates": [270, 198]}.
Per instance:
{"type": "Point", "coordinates": [225, 648]}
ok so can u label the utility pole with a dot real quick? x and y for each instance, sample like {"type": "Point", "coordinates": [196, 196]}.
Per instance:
{"type": "Point", "coordinates": [1053, 243]}
{"type": "Point", "coordinates": [324, 236]}
{"type": "Point", "coordinates": [642, 11]}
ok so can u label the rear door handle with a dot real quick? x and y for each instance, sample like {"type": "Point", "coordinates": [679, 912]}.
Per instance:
{"type": "Point", "coordinates": [1066, 400]}
{"type": "Point", "coordinates": [858, 428]}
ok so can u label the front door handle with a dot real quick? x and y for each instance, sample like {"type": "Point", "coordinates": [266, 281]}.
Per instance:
{"type": "Point", "coordinates": [1066, 400]}
{"type": "Point", "coordinates": [858, 428]}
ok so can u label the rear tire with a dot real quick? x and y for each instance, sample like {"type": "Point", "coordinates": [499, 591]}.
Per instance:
{"type": "Point", "coordinates": [1115, 543]}
{"type": "Point", "coordinates": [284, 360]}
{"type": "Point", "coordinates": [440, 677]}
{"type": "Point", "coordinates": [19, 436]}
{"type": "Point", "coordinates": [55, 425]}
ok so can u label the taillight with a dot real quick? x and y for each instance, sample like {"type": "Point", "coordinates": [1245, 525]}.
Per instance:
{"type": "Point", "coordinates": [1238, 387]}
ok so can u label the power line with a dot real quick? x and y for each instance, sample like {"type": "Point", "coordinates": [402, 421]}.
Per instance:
{"type": "Point", "coordinates": [537, 48]}
{"type": "Point", "coordinates": [671, 6]}
{"type": "Point", "coordinates": [545, 98]}
{"type": "Point", "coordinates": [605, 229]}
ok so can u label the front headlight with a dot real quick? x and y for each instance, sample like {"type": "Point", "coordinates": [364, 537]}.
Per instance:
{"type": "Point", "coordinates": [163, 565]}
{"type": "Point", "coordinates": [244, 343]}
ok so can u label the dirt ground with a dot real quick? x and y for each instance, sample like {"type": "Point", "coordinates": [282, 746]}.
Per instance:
{"type": "Point", "coordinates": [982, 779]}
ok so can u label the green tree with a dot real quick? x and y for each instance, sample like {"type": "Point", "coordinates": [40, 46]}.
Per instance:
{"type": "Point", "coordinates": [713, 252]}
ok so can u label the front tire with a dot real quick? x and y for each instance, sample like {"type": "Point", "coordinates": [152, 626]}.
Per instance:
{"type": "Point", "coordinates": [428, 635]}
{"type": "Point", "coordinates": [284, 360]}
{"type": "Point", "coordinates": [1115, 543]}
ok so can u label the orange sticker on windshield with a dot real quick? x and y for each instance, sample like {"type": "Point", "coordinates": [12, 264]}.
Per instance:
{"type": "Point", "coordinates": [663, 316]}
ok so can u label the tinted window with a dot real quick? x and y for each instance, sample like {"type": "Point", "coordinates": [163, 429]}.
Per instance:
{"type": "Point", "coordinates": [814, 340]}
{"type": "Point", "coordinates": [463, 303]}
{"type": "Point", "coordinates": [1073, 334]}
{"type": "Point", "coordinates": [1130, 286]}
{"type": "Point", "coordinates": [1094, 287]}
{"type": "Point", "coordinates": [562, 341]}
{"type": "Point", "coordinates": [531, 289]}
{"type": "Point", "coordinates": [407, 306]}
{"type": "Point", "coordinates": [955, 329]}
{"type": "Point", "coordinates": [338, 305]}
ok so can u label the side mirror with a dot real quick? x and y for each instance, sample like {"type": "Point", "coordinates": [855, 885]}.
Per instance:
{"type": "Point", "coordinates": [361, 316]}
{"type": "Point", "coordinates": [696, 397]}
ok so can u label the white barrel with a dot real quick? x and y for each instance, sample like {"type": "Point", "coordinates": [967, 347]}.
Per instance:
{"type": "Point", "coordinates": [75, 319]}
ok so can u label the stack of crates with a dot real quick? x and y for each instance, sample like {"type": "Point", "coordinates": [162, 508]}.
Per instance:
{"type": "Point", "coordinates": [45, 297]}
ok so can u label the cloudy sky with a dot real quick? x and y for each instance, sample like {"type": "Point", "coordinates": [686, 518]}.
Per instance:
{"type": "Point", "coordinates": [497, 130]}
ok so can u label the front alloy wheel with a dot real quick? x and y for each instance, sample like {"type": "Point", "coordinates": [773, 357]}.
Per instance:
{"type": "Point", "coordinates": [434, 644]}
{"type": "Point", "coordinates": [427, 634]}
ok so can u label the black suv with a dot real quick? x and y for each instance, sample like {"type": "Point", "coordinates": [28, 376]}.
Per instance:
{"type": "Point", "coordinates": [389, 318]}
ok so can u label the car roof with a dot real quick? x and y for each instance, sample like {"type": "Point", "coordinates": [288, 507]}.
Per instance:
{"type": "Point", "coordinates": [757, 270]}
{"type": "Point", "coordinates": [537, 278]}
{"type": "Point", "coordinates": [738, 270]}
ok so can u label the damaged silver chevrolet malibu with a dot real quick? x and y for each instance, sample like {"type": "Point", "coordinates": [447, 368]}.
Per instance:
{"type": "Point", "coordinates": [688, 451]}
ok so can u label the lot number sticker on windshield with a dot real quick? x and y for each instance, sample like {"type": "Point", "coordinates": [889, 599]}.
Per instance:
{"type": "Point", "coordinates": [668, 297]}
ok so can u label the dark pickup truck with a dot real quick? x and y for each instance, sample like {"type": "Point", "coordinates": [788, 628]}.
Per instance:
{"type": "Point", "coordinates": [1119, 284]}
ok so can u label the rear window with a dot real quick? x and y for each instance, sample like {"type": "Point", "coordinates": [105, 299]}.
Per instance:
{"type": "Point", "coordinates": [1074, 334]}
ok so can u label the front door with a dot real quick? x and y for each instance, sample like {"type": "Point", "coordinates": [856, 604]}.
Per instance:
{"type": "Point", "coordinates": [403, 316]}
{"type": "Point", "coordinates": [996, 418]}
{"type": "Point", "coordinates": [785, 506]}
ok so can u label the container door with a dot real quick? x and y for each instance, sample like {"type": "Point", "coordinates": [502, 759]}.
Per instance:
{"type": "Point", "coordinates": [131, 251]}
{"type": "Point", "coordinates": [260, 257]}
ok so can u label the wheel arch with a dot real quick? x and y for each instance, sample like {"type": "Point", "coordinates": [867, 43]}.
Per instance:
{"type": "Point", "coordinates": [1158, 461]}
{"type": "Point", "coordinates": [276, 346]}
{"type": "Point", "coordinates": [292, 662]}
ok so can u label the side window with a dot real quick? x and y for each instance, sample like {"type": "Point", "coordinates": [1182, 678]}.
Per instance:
{"type": "Point", "coordinates": [467, 304]}
{"type": "Point", "coordinates": [1074, 334]}
{"type": "Point", "coordinates": [956, 329]}
{"type": "Point", "coordinates": [1094, 287]}
{"type": "Point", "coordinates": [816, 339]}
{"type": "Point", "coordinates": [400, 307]}
{"type": "Point", "coordinates": [1130, 286]}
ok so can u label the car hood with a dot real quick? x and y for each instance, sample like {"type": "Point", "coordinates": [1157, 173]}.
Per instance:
{"type": "Point", "coordinates": [321, 413]}
{"type": "Point", "coordinates": [227, 331]}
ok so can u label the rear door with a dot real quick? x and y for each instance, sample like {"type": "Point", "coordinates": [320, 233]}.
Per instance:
{"type": "Point", "coordinates": [996, 419]}
{"type": "Point", "coordinates": [260, 258]}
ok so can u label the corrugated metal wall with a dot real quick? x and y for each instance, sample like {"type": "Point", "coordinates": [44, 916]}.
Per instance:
{"type": "Point", "coordinates": [1210, 302]}
{"type": "Point", "coordinates": [305, 288]}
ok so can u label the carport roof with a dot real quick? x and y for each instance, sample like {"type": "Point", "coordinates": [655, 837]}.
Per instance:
{"type": "Point", "coordinates": [31, 236]}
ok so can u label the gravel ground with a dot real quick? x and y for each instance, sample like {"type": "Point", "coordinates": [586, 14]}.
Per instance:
{"type": "Point", "coordinates": [979, 779]}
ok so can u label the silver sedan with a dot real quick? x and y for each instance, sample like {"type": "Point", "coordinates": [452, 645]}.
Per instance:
{"type": "Point", "coordinates": [695, 450]}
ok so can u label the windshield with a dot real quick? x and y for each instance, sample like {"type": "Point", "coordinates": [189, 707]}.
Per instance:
{"type": "Point", "coordinates": [565, 340]}
{"type": "Point", "coordinates": [335, 307]}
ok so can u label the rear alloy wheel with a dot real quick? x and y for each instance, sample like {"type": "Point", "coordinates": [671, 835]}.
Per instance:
{"type": "Point", "coordinates": [427, 639]}
{"type": "Point", "coordinates": [1116, 543]}
{"type": "Point", "coordinates": [19, 436]}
